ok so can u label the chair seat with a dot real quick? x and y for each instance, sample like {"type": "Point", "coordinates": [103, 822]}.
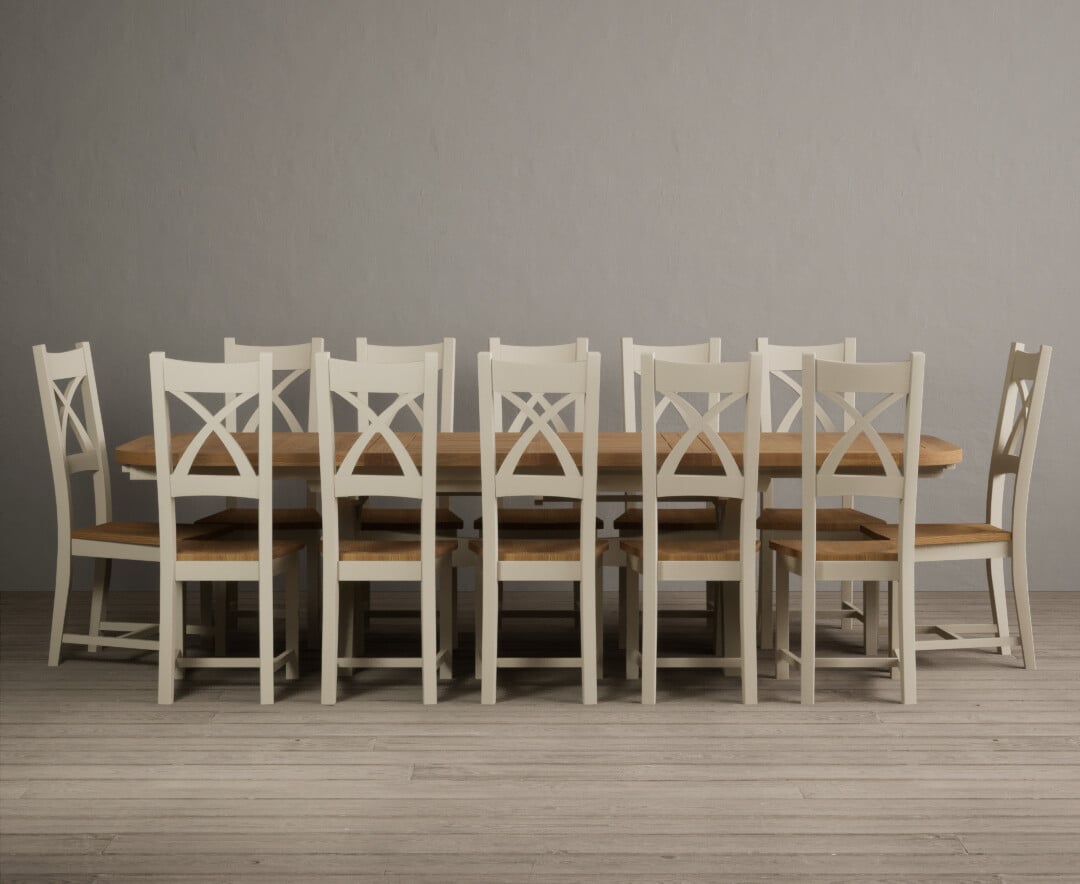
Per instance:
{"type": "Point", "coordinates": [390, 550]}
{"type": "Point", "coordinates": [689, 550]}
{"type": "Point", "coordinates": [548, 550]}
{"type": "Point", "coordinates": [943, 534]}
{"type": "Point", "coordinates": [229, 550]}
{"type": "Point", "coordinates": [289, 518]}
{"type": "Point", "coordinates": [684, 518]}
{"type": "Point", "coordinates": [139, 533]}
{"type": "Point", "coordinates": [841, 550]}
{"type": "Point", "coordinates": [828, 519]}
{"type": "Point", "coordinates": [295, 518]}
{"type": "Point", "coordinates": [406, 519]}
{"type": "Point", "coordinates": [537, 518]}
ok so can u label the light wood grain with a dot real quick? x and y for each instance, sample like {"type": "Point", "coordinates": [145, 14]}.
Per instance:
{"type": "Point", "coordinates": [828, 519]}
{"type": "Point", "coordinates": [138, 533]}
{"type": "Point", "coordinates": [779, 451]}
{"type": "Point", "coordinates": [943, 534]}
{"type": "Point", "coordinates": [978, 783]}
{"type": "Point", "coordinates": [545, 550]}
{"type": "Point", "coordinates": [390, 550]}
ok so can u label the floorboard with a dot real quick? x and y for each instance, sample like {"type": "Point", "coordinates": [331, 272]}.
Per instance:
{"type": "Point", "coordinates": [977, 784]}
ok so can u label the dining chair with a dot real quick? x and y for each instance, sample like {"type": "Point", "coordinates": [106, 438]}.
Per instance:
{"type": "Point", "coordinates": [782, 363]}
{"type": "Point", "coordinates": [395, 519]}
{"type": "Point", "coordinates": [173, 384]}
{"type": "Point", "coordinates": [343, 476]}
{"type": "Point", "coordinates": [699, 516]}
{"type": "Point", "coordinates": [546, 516]}
{"type": "Point", "coordinates": [1012, 455]}
{"type": "Point", "coordinates": [871, 561]}
{"type": "Point", "coordinates": [541, 393]}
{"type": "Point", "coordinates": [76, 439]}
{"type": "Point", "coordinates": [681, 473]}
{"type": "Point", "coordinates": [292, 368]}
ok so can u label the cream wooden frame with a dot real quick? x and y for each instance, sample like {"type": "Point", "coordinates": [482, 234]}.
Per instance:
{"type": "Point", "coordinates": [778, 361]}
{"type": "Point", "coordinates": [76, 367]}
{"type": "Point", "coordinates": [353, 382]}
{"type": "Point", "coordinates": [1013, 454]}
{"type": "Point", "coordinates": [576, 384]}
{"type": "Point", "coordinates": [726, 384]}
{"type": "Point", "coordinates": [297, 360]}
{"type": "Point", "coordinates": [238, 383]}
{"type": "Point", "coordinates": [896, 382]}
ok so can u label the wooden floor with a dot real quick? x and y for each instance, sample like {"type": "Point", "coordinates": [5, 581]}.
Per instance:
{"type": "Point", "coordinates": [978, 782]}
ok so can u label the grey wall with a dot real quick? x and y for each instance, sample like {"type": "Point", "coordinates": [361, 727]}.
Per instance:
{"type": "Point", "coordinates": [906, 172]}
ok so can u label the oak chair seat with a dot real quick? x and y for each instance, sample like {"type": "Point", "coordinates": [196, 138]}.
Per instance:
{"type": "Point", "coordinates": [841, 550]}
{"type": "Point", "coordinates": [406, 519]}
{"type": "Point", "coordinates": [390, 550]}
{"type": "Point", "coordinates": [696, 518]}
{"type": "Point", "coordinates": [229, 550]}
{"type": "Point", "coordinates": [537, 518]}
{"type": "Point", "coordinates": [944, 534]}
{"type": "Point", "coordinates": [553, 550]}
{"type": "Point", "coordinates": [288, 518]}
{"type": "Point", "coordinates": [138, 533]}
{"type": "Point", "coordinates": [688, 550]}
{"type": "Point", "coordinates": [828, 519]}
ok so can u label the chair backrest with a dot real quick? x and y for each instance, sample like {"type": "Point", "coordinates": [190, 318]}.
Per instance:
{"type": "Point", "coordinates": [292, 360]}
{"type": "Point", "coordinates": [539, 392]}
{"type": "Point", "coordinates": [67, 386]}
{"type": "Point", "coordinates": [445, 355]}
{"type": "Point", "coordinates": [779, 361]}
{"type": "Point", "coordinates": [893, 383]}
{"type": "Point", "coordinates": [725, 385]}
{"type": "Point", "coordinates": [173, 383]}
{"type": "Point", "coordinates": [784, 363]}
{"type": "Point", "coordinates": [632, 354]}
{"type": "Point", "coordinates": [1017, 433]}
{"type": "Point", "coordinates": [394, 472]}
{"type": "Point", "coordinates": [576, 351]}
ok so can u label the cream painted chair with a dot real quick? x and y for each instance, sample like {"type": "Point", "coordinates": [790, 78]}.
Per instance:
{"type": "Point", "coordinates": [425, 560]}
{"type": "Point", "coordinates": [658, 559]}
{"type": "Point", "coordinates": [174, 383]}
{"type": "Point", "coordinates": [541, 393]}
{"type": "Point", "coordinates": [66, 381]}
{"type": "Point", "coordinates": [699, 517]}
{"type": "Point", "coordinates": [783, 364]}
{"type": "Point", "coordinates": [997, 539]}
{"type": "Point", "coordinates": [388, 521]}
{"type": "Point", "coordinates": [872, 561]}
{"type": "Point", "coordinates": [294, 362]}
{"type": "Point", "coordinates": [549, 518]}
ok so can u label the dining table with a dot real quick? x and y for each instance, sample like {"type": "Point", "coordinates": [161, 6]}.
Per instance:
{"type": "Point", "coordinates": [619, 466]}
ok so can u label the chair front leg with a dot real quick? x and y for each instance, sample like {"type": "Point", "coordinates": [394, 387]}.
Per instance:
{"type": "Point", "coordinates": [266, 637]}
{"type": "Point", "coordinates": [447, 592]}
{"type": "Point", "coordinates": [633, 630]}
{"type": "Point", "coordinates": [587, 612]}
{"type": "Point", "coordinates": [783, 620]}
{"type": "Point", "coordinates": [489, 627]}
{"type": "Point", "coordinates": [331, 600]}
{"type": "Point", "coordinates": [808, 634]}
{"type": "Point", "coordinates": [429, 670]}
{"type": "Point", "coordinates": [995, 578]}
{"type": "Point", "coordinates": [649, 616]}
{"type": "Point", "coordinates": [871, 617]}
{"type": "Point", "coordinates": [99, 598]}
{"type": "Point", "coordinates": [765, 593]}
{"type": "Point", "coordinates": [292, 618]}
{"type": "Point", "coordinates": [168, 592]}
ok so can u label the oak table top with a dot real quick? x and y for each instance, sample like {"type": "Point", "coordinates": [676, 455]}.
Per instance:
{"type": "Point", "coordinates": [781, 453]}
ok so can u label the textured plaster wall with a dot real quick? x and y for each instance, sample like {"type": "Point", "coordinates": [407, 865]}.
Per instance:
{"type": "Point", "coordinates": [905, 172]}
